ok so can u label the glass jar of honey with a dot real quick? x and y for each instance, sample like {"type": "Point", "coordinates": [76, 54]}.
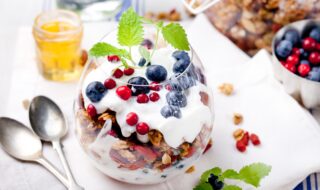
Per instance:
{"type": "Point", "coordinates": [58, 35]}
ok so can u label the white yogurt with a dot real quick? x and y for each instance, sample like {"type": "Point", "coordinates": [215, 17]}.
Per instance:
{"type": "Point", "coordinates": [175, 131]}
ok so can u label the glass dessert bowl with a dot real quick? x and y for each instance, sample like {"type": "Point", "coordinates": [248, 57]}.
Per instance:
{"type": "Point", "coordinates": [146, 121]}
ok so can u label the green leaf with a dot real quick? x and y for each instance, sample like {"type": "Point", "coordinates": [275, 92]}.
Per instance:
{"type": "Point", "coordinates": [203, 186]}
{"type": "Point", "coordinates": [230, 174]}
{"type": "Point", "coordinates": [175, 35]}
{"type": "Point", "coordinates": [130, 32]}
{"type": "Point", "coordinates": [215, 171]}
{"type": "Point", "coordinates": [252, 174]}
{"type": "Point", "coordinates": [231, 187]}
{"type": "Point", "coordinates": [104, 49]}
{"type": "Point", "coordinates": [160, 24]}
{"type": "Point", "coordinates": [144, 53]}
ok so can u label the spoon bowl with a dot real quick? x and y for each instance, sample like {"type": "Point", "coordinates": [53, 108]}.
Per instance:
{"type": "Point", "coordinates": [19, 141]}
{"type": "Point", "coordinates": [47, 119]}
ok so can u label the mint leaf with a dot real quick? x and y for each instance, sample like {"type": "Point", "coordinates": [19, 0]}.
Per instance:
{"type": "Point", "coordinates": [175, 35]}
{"type": "Point", "coordinates": [145, 53]}
{"type": "Point", "coordinates": [231, 187]}
{"type": "Point", "coordinates": [104, 49]}
{"type": "Point", "coordinates": [203, 186]}
{"type": "Point", "coordinates": [230, 174]}
{"type": "Point", "coordinates": [252, 174]}
{"type": "Point", "coordinates": [130, 32]}
{"type": "Point", "coordinates": [215, 171]}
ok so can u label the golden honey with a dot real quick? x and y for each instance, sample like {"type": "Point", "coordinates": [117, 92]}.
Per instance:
{"type": "Point", "coordinates": [58, 37]}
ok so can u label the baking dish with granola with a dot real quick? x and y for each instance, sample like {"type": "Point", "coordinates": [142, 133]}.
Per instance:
{"type": "Point", "coordinates": [148, 118]}
{"type": "Point", "coordinates": [251, 24]}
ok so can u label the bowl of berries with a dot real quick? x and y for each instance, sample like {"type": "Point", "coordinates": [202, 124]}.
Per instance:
{"type": "Point", "coordinates": [296, 57]}
{"type": "Point", "coordinates": [143, 110]}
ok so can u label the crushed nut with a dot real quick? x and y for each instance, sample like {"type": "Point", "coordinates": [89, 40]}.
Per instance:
{"type": "Point", "coordinates": [26, 104]}
{"type": "Point", "coordinates": [185, 149]}
{"type": "Point", "coordinates": [155, 137]}
{"type": "Point", "coordinates": [238, 134]}
{"type": "Point", "coordinates": [106, 116]}
{"type": "Point", "coordinates": [166, 159]}
{"type": "Point", "coordinates": [226, 89]}
{"type": "Point", "coordinates": [237, 118]}
{"type": "Point", "coordinates": [190, 170]}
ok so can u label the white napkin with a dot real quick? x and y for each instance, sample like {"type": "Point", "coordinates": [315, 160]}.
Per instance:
{"type": "Point", "coordinates": [290, 137]}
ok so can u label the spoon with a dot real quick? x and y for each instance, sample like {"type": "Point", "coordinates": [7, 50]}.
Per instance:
{"type": "Point", "coordinates": [48, 122]}
{"type": "Point", "coordinates": [21, 143]}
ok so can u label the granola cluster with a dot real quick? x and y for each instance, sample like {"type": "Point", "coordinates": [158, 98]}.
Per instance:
{"type": "Point", "coordinates": [251, 24]}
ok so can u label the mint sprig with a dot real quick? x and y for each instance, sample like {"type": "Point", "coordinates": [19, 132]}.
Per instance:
{"type": "Point", "coordinates": [175, 35]}
{"type": "Point", "coordinates": [251, 174]}
{"type": "Point", "coordinates": [130, 33]}
{"type": "Point", "coordinates": [130, 30]}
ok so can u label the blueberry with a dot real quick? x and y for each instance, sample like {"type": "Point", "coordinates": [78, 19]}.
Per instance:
{"type": "Point", "coordinates": [138, 85]}
{"type": "Point", "coordinates": [304, 54]}
{"type": "Point", "coordinates": [176, 98]}
{"type": "Point", "coordinates": [314, 76]}
{"type": "Point", "coordinates": [95, 91]}
{"type": "Point", "coordinates": [284, 49]}
{"type": "Point", "coordinates": [181, 55]}
{"type": "Point", "coordinates": [304, 62]}
{"type": "Point", "coordinates": [185, 81]}
{"type": "Point", "coordinates": [169, 111]}
{"type": "Point", "coordinates": [292, 35]}
{"type": "Point", "coordinates": [180, 66]}
{"type": "Point", "coordinates": [218, 185]}
{"type": "Point", "coordinates": [214, 182]}
{"type": "Point", "coordinates": [142, 62]}
{"type": "Point", "coordinates": [315, 34]}
{"type": "Point", "coordinates": [212, 178]}
{"type": "Point", "coordinates": [156, 73]}
{"type": "Point", "coordinates": [147, 43]}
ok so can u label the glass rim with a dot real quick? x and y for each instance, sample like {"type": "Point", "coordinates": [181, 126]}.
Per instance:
{"type": "Point", "coordinates": [163, 83]}
{"type": "Point", "coordinates": [77, 29]}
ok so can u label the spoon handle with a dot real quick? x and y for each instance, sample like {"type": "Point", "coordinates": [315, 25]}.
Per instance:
{"type": "Point", "coordinates": [44, 162]}
{"type": "Point", "coordinates": [73, 184]}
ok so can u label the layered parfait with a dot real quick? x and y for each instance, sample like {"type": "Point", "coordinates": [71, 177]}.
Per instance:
{"type": "Point", "coordinates": [143, 114]}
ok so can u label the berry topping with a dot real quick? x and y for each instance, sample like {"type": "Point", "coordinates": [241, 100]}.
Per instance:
{"type": "Point", "coordinates": [304, 54]}
{"type": "Point", "coordinates": [296, 51]}
{"type": "Point", "coordinates": [142, 62]}
{"type": "Point", "coordinates": [124, 92]}
{"type": "Point", "coordinates": [254, 139]}
{"type": "Point", "coordinates": [315, 34]}
{"type": "Point", "coordinates": [292, 36]}
{"type": "Point", "coordinates": [113, 58]}
{"type": "Point", "coordinates": [303, 70]}
{"type": "Point", "coordinates": [241, 146]}
{"type": "Point", "coordinates": [305, 62]}
{"type": "Point", "coordinates": [284, 49]}
{"type": "Point", "coordinates": [109, 83]}
{"type": "Point", "coordinates": [314, 58]}
{"type": "Point", "coordinates": [142, 128]}
{"type": "Point", "coordinates": [147, 43]}
{"type": "Point", "coordinates": [314, 75]}
{"type": "Point", "coordinates": [183, 61]}
{"type": "Point", "coordinates": [215, 183]}
{"type": "Point", "coordinates": [138, 85]}
{"type": "Point", "coordinates": [128, 71]}
{"type": "Point", "coordinates": [176, 98]}
{"type": "Point", "coordinates": [168, 87]}
{"type": "Point", "coordinates": [293, 59]}
{"type": "Point", "coordinates": [142, 98]}
{"type": "Point", "coordinates": [117, 73]}
{"type": "Point", "coordinates": [156, 73]}
{"type": "Point", "coordinates": [291, 68]}
{"type": "Point", "coordinates": [155, 86]}
{"type": "Point", "coordinates": [95, 91]}
{"type": "Point", "coordinates": [132, 119]}
{"type": "Point", "coordinates": [91, 110]}
{"type": "Point", "coordinates": [154, 96]}
{"type": "Point", "coordinates": [169, 111]}
{"type": "Point", "coordinates": [309, 44]}
{"type": "Point", "coordinates": [185, 81]}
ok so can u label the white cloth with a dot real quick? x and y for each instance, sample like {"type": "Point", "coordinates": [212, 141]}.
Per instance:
{"type": "Point", "coordinates": [290, 136]}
